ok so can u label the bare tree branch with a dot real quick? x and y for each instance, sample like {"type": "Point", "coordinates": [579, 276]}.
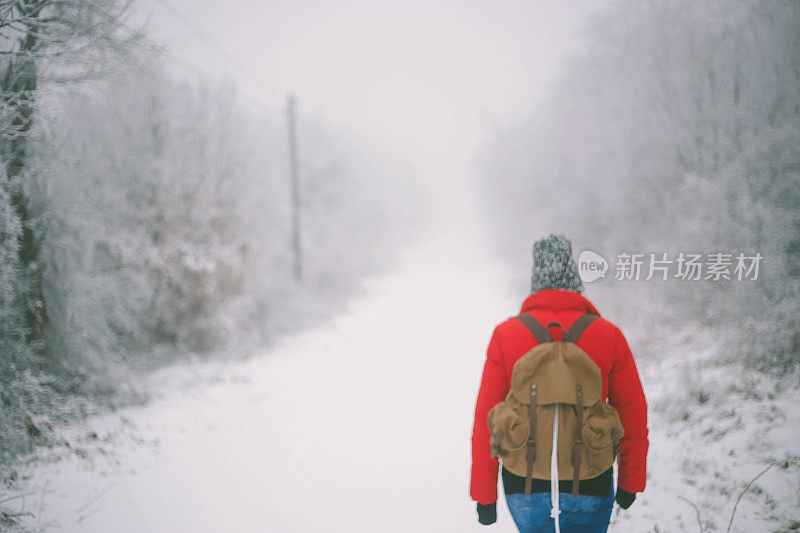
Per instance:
{"type": "Point", "coordinates": [744, 490]}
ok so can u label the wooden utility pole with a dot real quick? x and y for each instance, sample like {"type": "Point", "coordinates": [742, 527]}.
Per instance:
{"type": "Point", "coordinates": [290, 111]}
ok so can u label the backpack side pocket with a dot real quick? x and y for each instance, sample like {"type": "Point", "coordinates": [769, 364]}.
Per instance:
{"type": "Point", "coordinates": [601, 426]}
{"type": "Point", "coordinates": [509, 428]}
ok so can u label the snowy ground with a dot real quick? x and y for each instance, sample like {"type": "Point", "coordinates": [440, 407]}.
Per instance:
{"type": "Point", "coordinates": [713, 429]}
{"type": "Point", "coordinates": [363, 424]}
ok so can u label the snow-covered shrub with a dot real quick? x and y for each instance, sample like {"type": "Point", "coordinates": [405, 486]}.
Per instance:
{"type": "Point", "coordinates": [146, 243]}
{"type": "Point", "coordinates": [167, 210]}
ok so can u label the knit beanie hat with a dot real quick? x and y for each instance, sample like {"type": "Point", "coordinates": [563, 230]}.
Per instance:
{"type": "Point", "coordinates": [553, 265]}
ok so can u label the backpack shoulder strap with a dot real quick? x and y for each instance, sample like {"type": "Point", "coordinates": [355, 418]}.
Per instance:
{"type": "Point", "coordinates": [578, 327]}
{"type": "Point", "coordinates": [535, 327]}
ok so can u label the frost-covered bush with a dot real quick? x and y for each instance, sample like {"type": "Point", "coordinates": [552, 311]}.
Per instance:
{"type": "Point", "coordinates": [167, 209]}
{"type": "Point", "coordinates": [145, 243]}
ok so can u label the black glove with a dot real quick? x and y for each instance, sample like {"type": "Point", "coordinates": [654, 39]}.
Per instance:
{"type": "Point", "coordinates": [625, 499]}
{"type": "Point", "coordinates": [487, 514]}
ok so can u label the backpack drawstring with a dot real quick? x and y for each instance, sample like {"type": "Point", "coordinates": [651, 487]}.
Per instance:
{"type": "Point", "coordinates": [555, 511]}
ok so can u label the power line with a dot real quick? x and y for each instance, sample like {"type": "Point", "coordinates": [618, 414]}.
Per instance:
{"type": "Point", "coordinates": [200, 73]}
{"type": "Point", "coordinates": [167, 54]}
{"type": "Point", "coordinates": [186, 65]}
{"type": "Point", "coordinates": [215, 45]}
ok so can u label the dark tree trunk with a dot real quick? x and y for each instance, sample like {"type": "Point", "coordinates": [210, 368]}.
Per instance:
{"type": "Point", "coordinates": [19, 86]}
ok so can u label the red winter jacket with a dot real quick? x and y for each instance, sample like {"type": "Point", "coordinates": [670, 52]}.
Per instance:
{"type": "Point", "coordinates": [607, 347]}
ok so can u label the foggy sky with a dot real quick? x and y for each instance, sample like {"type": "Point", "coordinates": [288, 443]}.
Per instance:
{"type": "Point", "coordinates": [428, 79]}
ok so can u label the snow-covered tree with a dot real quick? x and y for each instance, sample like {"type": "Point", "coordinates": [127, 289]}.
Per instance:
{"type": "Point", "coordinates": [676, 129]}
{"type": "Point", "coordinates": [45, 44]}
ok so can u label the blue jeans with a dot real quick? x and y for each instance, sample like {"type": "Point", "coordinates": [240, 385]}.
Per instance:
{"type": "Point", "coordinates": [584, 514]}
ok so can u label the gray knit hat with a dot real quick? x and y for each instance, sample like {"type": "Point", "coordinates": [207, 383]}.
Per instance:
{"type": "Point", "coordinates": [553, 265]}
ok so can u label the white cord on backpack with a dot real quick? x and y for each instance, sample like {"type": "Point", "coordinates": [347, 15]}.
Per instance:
{"type": "Point", "coordinates": [555, 511]}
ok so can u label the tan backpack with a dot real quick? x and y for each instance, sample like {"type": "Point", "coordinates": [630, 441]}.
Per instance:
{"type": "Point", "coordinates": [525, 426]}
